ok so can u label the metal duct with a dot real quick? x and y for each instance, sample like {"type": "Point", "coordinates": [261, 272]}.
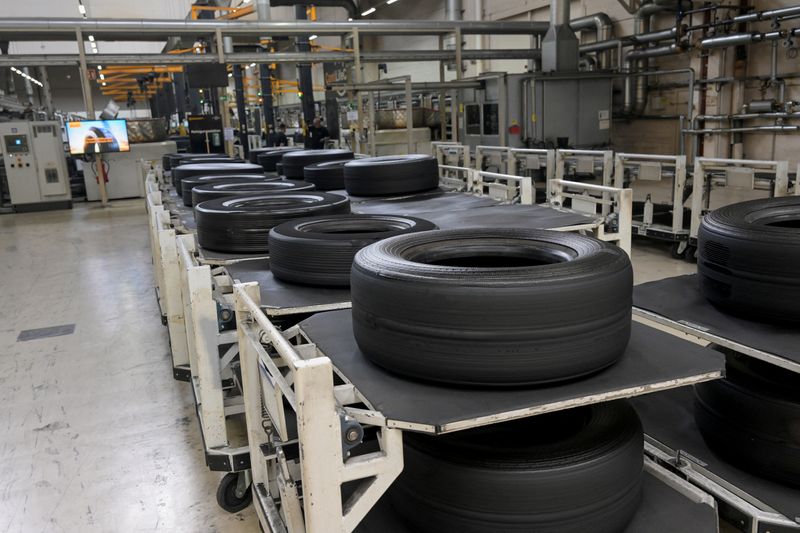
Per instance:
{"type": "Point", "coordinates": [398, 56]}
{"type": "Point", "coordinates": [417, 86]}
{"type": "Point", "coordinates": [37, 29]}
{"type": "Point", "coordinates": [603, 27]}
{"type": "Point", "coordinates": [560, 46]}
{"type": "Point", "coordinates": [349, 5]}
{"type": "Point", "coordinates": [453, 10]}
{"type": "Point", "coordinates": [658, 51]}
{"type": "Point", "coordinates": [635, 99]}
{"type": "Point", "coordinates": [747, 38]}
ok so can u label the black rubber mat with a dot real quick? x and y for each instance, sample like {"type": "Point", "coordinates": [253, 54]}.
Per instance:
{"type": "Point", "coordinates": [280, 298]}
{"type": "Point", "coordinates": [653, 359]}
{"type": "Point", "coordinates": [669, 418]}
{"type": "Point", "coordinates": [679, 300]}
{"type": "Point", "coordinates": [663, 510]}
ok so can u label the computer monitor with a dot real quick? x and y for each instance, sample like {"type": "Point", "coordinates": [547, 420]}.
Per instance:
{"type": "Point", "coordinates": [97, 136]}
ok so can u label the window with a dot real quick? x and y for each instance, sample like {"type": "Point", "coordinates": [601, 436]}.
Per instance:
{"type": "Point", "coordinates": [473, 119]}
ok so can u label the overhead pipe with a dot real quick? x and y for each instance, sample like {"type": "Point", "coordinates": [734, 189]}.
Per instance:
{"type": "Point", "coordinates": [603, 27]}
{"type": "Point", "coordinates": [38, 29]}
{"type": "Point", "coordinates": [349, 5]}
{"type": "Point", "coordinates": [737, 39]}
{"type": "Point", "coordinates": [416, 86]}
{"type": "Point", "coordinates": [767, 14]}
{"type": "Point", "coordinates": [773, 129]}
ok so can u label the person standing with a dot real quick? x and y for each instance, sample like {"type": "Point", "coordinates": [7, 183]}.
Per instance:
{"type": "Point", "coordinates": [317, 135]}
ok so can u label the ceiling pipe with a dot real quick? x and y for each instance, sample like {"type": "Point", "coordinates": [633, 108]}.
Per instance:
{"type": "Point", "coordinates": [416, 86]}
{"type": "Point", "coordinates": [603, 27]}
{"type": "Point", "coordinates": [277, 57]}
{"type": "Point", "coordinates": [453, 10]}
{"type": "Point", "coordinates": [37, 29]}
{"type": "Point", "coordinates": [349, 5]}
{"type": "Point", "coordinates": [559, 46]}
{"type": "Point", "coordinates": [747, 38]}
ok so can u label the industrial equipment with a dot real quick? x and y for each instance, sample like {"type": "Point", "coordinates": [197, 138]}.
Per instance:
{"type": "Point", "coordinates": [36, 166]}
{"type": "Point", "coordinates": [124, 171]}
{"type": "Point", "coordinates": [537, 110]}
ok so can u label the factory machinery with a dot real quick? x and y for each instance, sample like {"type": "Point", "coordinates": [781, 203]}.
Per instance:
{"type": "Point", "coordinates": [315, 423]}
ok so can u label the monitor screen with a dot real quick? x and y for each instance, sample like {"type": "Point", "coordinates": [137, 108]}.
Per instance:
{"type": "Point", "coordinates": [97, 136]}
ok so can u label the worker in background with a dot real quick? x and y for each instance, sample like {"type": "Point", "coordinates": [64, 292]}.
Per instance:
{"type": "Point", "coordinates": [277, 138]}
{"type": "Point", "coordinates": [317, 135]}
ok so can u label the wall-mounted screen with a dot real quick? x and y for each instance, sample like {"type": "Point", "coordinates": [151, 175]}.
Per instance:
{"type": "Point", "coordinates": [97, 136]}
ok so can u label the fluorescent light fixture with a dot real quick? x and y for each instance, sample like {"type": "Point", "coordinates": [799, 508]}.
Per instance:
{"type": "Point", "coordinates": [368, 12]}
{"type": "Point", "coordinates": [102, 76]}
{"type": "Point", "coordinates": [82, 9]}
{"type": "Point", "coordinates": [390, 2]}
{"type": "Point", "coordinates": [104, 84]}
{"type": "Point", "coordinates": [230, 75]}
{"type": "Point", "coordinates": [99, 67]}
{"type": "Point", "coordinates": [252, 64]}
{"type": "Point", "coordinates": [91, 38]}
{"type": "Point", "coordinates": [94, 50]}
{"type": "Point", "coordinates": [350, 19]}
{"type": "Point", "coordinates": [312, 37]}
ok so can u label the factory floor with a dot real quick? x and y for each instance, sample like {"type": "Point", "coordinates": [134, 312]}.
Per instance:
{"type": "Point", "coordinates": [96, 435]}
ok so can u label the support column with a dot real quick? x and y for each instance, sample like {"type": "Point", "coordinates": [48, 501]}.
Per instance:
{"type": "Point", "coordinates": [238, 82]}
{"type": "Point", "coordinates": [88, 102]}
{"type": "Point", "coordinates": [46, 92]}
{"type": "Point", "coordinates": [306, 84]}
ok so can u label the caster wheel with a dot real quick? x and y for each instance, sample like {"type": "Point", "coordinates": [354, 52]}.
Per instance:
{"type": "Point", "coordinates": [233, 494]}
{"type": "Point", "coordinates": [678, 250]}
{"type": "Point", "coordinates": [691, 254]}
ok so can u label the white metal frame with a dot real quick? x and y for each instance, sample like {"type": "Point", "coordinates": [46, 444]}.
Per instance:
{"type": "Point", "coordinates": [281, 368]}
{"type": "Point", "coordinates": [759, 516]}
{"type": "Point", "coordinates": [492, 153]}
{"type": "Point", "coordinates": [531, 155]}
{"type": "Point", "coordinates": [676, 229]}
{"type": "Point", "coordinates": [503, 187]}
{"type": "Point", "coordinates": [703, 184]}
{"type": "Point", "coordinates": [614, 202]}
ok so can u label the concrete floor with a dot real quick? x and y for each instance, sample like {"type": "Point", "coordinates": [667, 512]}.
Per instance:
{"type": "Point", "coordinates": [97, 436]}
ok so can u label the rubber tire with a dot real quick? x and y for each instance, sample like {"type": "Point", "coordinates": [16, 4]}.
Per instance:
{"type": "Point", "coordinates": [391, 174]}
{"type": "Point", "coordinates": [211, 169]}
{"type": "Point", "coordinates": [751, 419]}
{"type": "Point", "coordinates": [492, 326]}
{"type": "Point", "coordinates": [242, 224]}
{"type": "Point", "coordinates": [228, 188]}
{"type": "Point", "coordinates": [269, 159]}
{"type": "Point", "coordinates": [188, 184]}
{"type": "Point", "coordinates": [226, 494]}
{"type": "Point", "coordinates": [172, 160]}
{"type": "Point", "coordinates": [294, 162]}
{"type": "Point", "coordinates": [747, 267]}
{"type": "Point", "coordinates": [320, 250]}
{"type": "Point", "coordinates": [279, 169]}
{"type": "Point", "coordinates": [327, 176]}
{"type": "Point", "coordinates": [186, 159]}
{"type": "Point", "coordinates": [566, 472]}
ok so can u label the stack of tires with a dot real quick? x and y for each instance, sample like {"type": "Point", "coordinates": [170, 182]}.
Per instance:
{"type": "Point", "coordinates": [208, 169]}
{"type": "Point", "coordinates": [236, 187]}
{"type": "Point", "coordinates": [269, 158]}
{"type": "Point", "coordinates": [506, 308]}
{"type": "Point", "coordinates": [189, 184]}
{"type": "Point", "coordinates": [390, 175]}
{"type": "Point", "coordinates": [747, 262]}
{"type": "Point", "coordinates": [294, 162]}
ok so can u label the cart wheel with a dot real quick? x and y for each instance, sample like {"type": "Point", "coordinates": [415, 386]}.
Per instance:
{"type": "Point", "coordinates": [691, 252]}
{"type": "Point", "coordinates": [678, 250]}
{"type": "Point", "coordinates": [233, 493]}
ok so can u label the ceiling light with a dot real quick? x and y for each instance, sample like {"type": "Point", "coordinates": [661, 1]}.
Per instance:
{"type": "Point", "coordinates": [230, 75]}
{"type": "Point", "coordinates": [104, 84]}
{"type": "Point", "coordinates": [99, 67]}
{"type": "Point", "coordinates": [390, 2]}
{"type": "Point", "coordinates": [312, 37]}
{"type": "Point", "coordinates": [350, 19]}
{"type": "Point", "coordinates": [82, 9]}
{"type": "Point", "coordinates": [252, 64]}
{"type": "Point", "coordinates": [94, 50]}
{"type": "Point", "coordinates": [368, 12]}
{"type": "Point", "coordinates": [102, 76]}
{"type": "Point", "coordinates": [91, 38]}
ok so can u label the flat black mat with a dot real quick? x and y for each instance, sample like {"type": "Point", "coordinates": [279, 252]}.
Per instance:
{"type": "Point", "coordinates": [652, 361]}
{"type": "Point", "coordinates": [506, 216]}
{"type": "Point", "coordinates": [663, 510]}
{"type": "Point", "coordinates": [679, 299]}
{"type": "Point", "coordinates": [443, 202]}
{"type": "Point", "coordinates": [211, 257]}
{"type": "Point", "coordinates": [280, 298]}
{"type": "Point", "coordinates": [669, 418]}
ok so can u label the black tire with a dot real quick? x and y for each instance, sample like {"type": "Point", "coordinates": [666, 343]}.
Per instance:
{"type": "Point", "coordinates": [493, 307]}
{"type": "Point", "coordinates": [294, 162]}
{"type": "Point", "coordinates": [391, 174]}
{"type": "Point", "coordinates": [320, 250]}
{"type": "Point", "coordinates": [279, 169]}
{"type": "Point", "coordinates": [272, 156]}
{"type": "Point", "coordinates": [211, 169]}
{"type": "Point", "coordinates": [327, 176]}
{"type": "Point", "coordinates": [747, 259]}
{"type": "Point", "coordinates": [228, 499]}
{"type": "Point", "coordinates": [566, 472]}
{"type": "Point", "coordinates": [170, 161]}
{"type": "Point", "coordinates": [228, 188]}
{"type": "Point", "coordinates": [752, 418]}
{"type": "Point", "coordinates": [242, 224]}
{"type": "Point", "coordinates": [188, 184]}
